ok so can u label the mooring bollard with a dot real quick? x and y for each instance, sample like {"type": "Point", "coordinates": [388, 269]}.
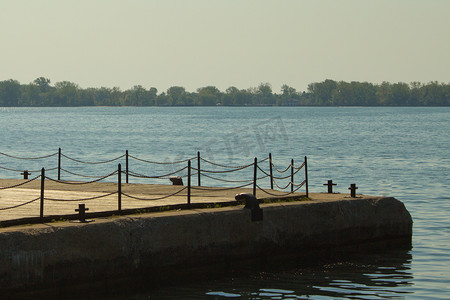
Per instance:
{"type": "Point", "coordinates": [176, 180]}
{"type": "Point", "coordinates": [353, 189]}
{"type": "Point", "coordinates": [25, 174]}
{"type": "Point", "coordinates": [82, 213]}
{"type": "Point", "coordinates": [251, 203]}
{"type": "Point", "coordinates": [330, 186]}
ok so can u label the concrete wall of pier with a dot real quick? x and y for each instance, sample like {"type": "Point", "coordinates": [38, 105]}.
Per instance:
{"type": "Point", "coordinates": [64, 253]}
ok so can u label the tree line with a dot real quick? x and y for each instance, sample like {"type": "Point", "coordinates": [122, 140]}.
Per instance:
{"type": "Point", "coordinates": [41, 93]}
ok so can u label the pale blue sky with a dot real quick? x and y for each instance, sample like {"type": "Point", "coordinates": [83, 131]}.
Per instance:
{"type": "Point", "coordinates": [195, 43]}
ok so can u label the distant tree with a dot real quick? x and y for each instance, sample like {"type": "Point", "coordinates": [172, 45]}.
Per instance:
{"type": "Point", "coordinates": [230, 96]}
{"type": "Point", "coordinates": [289, 96]}
{"type": "Point", "coordinates": [435, 94]}
{"type": "Point", "coordinates": [136, 96]}
{"type": "Point", "coordinates": [30, 95]}
{"type": "Point", "coordinates": [264, 94]}
{"type": "Point", "coordinates": [66, 94]}
{"type": "Point", "coordinates": [89, 96]}
{"type": "Point", "coordinates": [321, 93]}
{"type": "Point", "coordinates": [10, 92]}
{"type": "Point", "coordinates": [234, 96]}
{"type": "Point", "coordinates": [343, 94]}
{"type": "Point", "coordinates": [401, 94]}
{"type": "Point", "coordinates": [116, 97]}
{"type": "Point", "coordinates": [151, 96]}
{"type": "Point", "coordinates": [245, 97]}
{"type": "Point", "coordinates": [416, 88]}
{"type": "Point", "coordinates": [328, 92]}
{"type": "Point", "coordinates": [208, 96]}
{"type": "Point", "coordinates": [177, 95]}
{"type": "Point", "coordinates": [288, 91]}
{"type": "Point", "coordinates": [446, 98]}
{"type": "Point", "coordinates": [42, 83]}
{"type": "Point", "coordinates": [384, 94]}
{"type": "Point", "coordinates": [362, 93]}
{"type": "Point", "coordinates": [163, 100]}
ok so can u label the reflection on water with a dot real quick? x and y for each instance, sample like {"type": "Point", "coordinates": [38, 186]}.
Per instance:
{"type": "Point", "coordinates": [385, 275]}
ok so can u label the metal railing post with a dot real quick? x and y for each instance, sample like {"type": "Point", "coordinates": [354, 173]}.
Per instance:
{"type": "Point", "coordinates": [42, 194]}
{"type": "Point", "coordinates": [119, 188]}
{"type": "Point", "coordinates": [59, 164]}
{"type": "Point", "coordinates": [254, 176]}
{"type": "Point", "coordinates": [271, 171]}
{"type": "Point", "coordinates": [189, 184]}
{"type": "Point", "coordinates": [198, 168]}
{"type": "Point", "coordinates": [306, 176]}
{"type": "Point", "coordinates": [292, 175]}
{"type": "Point", "coordinates": [126, 166]}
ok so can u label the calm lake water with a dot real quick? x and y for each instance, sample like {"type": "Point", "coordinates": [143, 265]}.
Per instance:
{"type": "Point", "coordinates": [400, 152]}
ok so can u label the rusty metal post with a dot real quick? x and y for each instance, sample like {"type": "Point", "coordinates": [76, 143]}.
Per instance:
{"type": "Point", "coordinates": [271, 171]}
{"type": "Point", "coordinates": [42, 194]}
{"type": "Point", "coordinates": [255, 169]}
{"type": "Point", "coordinates": [119, 188]}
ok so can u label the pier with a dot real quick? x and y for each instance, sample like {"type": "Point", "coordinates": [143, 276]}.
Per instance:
{"type": "Point", "coordinates": [63, 257]}
{"type": "Point", "coordinates": [60, 236]}
{"type": "Point", "coordinates": [61, 200]}
{"type": "Point", "coordinates": [50, 195]}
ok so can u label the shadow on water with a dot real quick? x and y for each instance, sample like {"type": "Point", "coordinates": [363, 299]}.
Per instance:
{"type": "Point", "coordinates": [383, 275]}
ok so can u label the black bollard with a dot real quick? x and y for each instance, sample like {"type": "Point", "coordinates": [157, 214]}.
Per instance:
{"type": "Point", "coordinates": [176, 180]}
{"type": "Point", "coordinates": [82, 213]}
{"type": "Point", "coordinates": [251, 203]}
{"type": "Point", "coordinates": [25, 174]}
{"type": "Point", "coordinates": [353, 189]}
{"type": "Point", "coordinates": [330, 186]}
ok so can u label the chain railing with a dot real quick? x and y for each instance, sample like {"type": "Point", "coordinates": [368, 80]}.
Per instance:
{"type": "Point", "coordinates": [214, 172]}
{"type": "Point", "coordinates": [16, 186]}
{"type": "Point", "coordinates": [28, 158]}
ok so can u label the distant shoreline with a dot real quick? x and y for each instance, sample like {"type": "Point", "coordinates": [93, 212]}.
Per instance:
{"type": "Point", "coordinates": [329, 93]}
{"type": "Point", "coordinates": [228, 106]}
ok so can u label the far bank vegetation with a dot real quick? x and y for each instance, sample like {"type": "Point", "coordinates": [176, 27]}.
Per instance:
{"type": "Point", "coordinates": [41, 93]}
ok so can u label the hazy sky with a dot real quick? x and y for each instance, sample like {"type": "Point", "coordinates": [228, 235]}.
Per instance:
{"type": "Point", "coordinates": [242, 43]}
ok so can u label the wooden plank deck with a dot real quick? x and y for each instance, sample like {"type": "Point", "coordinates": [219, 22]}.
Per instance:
{"type": "Point", "coordinates": [72, 195]}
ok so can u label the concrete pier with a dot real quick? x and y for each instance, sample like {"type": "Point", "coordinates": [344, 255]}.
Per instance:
{"type": "Point", "coordinates": [166, 244]}
{"type": "Point", "coordinates": [70, 192]}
